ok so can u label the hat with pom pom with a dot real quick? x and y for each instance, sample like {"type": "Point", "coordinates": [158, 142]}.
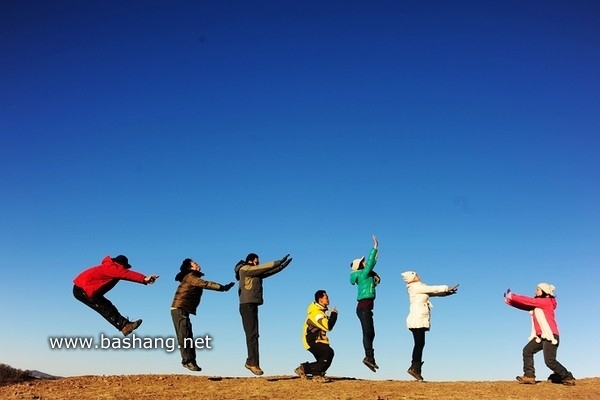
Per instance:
{"type": "Point", "coordinates": [355, 265]}
{"type": "Point", "coordinates": [409, 276]}
{"type": "Point", "coordinates": [547, 288]}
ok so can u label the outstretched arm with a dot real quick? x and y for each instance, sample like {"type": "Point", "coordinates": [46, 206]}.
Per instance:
{"type": "Point", "coordinates": [372, 259]}
{"type": "Point", "coordinates": [280, 266]}
{"type": "Point", "coordinates": [433, 290]}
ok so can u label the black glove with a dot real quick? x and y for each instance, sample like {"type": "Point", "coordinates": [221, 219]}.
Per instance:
{"type": "Point", "coordinates": [286, 262]}
{"type": "Point", "coordinates": [376, 278]}
{"type": "Point", "coordinates": [453, 289]}
{"type": "Point", "coordinates": [225, 288]}
{"type": "Point", "coordinates": [282, 261]}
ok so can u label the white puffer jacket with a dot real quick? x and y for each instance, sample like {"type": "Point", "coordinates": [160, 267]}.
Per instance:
{"type": "Point", "coordinates": [419, 293]}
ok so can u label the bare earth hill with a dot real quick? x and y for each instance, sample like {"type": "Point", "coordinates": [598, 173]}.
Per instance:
{"type": "Point", "coordinates": [173, 387]}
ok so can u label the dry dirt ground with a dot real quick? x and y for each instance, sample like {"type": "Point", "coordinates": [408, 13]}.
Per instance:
{"type": "Point", "coordinates": [173, 387]}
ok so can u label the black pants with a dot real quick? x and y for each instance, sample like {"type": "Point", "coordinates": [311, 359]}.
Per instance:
{"type": "Point", "coordinates": [249, 313]}
{"type": "Point", "coordinates": [419, 339]}
{"type": "Point", "coordinates": [368, 329]}
{"type": "Point", "coordinates": [102, 306]}
{"type": "Point", "coordinates": [324, 355]}
{"type": "Point", "coordinates": [549, 350]}
{"type": "Point", "coordinates": [183, 329]}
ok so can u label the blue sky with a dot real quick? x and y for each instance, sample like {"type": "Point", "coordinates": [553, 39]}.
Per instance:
{"type": "Point", "coordinates": [464, 135]}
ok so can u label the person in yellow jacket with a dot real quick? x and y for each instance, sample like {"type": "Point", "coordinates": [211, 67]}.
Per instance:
{"type": "Point", "coordinates": [314, 337]}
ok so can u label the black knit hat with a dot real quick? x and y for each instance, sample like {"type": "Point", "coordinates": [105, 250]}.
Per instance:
{"type": "Point", "coordinates": [121, 259]}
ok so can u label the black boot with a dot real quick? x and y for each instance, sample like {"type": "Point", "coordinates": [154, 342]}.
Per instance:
{"type": "Point", "coordinates": [369, 360]}
{"type": "Point", "coordinates": [415, 370]}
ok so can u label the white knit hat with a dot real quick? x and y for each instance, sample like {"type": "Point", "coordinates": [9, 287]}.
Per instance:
{"type": "Point", "coordinates": [409, 276]}
{"type": "Point", "coordinates": [547, 288]}
{"type": "Point", "coordinates": [356, 263]}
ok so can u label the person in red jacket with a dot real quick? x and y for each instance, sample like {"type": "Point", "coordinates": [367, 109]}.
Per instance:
{"type": "Point", "coordinates": [91, 285]}
{"type": "Point", "coordinates": [544, 333]}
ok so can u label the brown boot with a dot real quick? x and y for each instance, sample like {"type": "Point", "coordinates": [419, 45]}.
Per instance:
{"type": "Point", "coordinates": [370, 363]}
{"type": "Point", "coordinates": [300, 372]}
{"type": "Point", "coordinates": [526, 380]}
{"type": "Point", "coordinates": [415, 371]}
{"type": "Point", "coordinates": [255, 369]}
{"type": "Point", "coordinates": [130, 327]}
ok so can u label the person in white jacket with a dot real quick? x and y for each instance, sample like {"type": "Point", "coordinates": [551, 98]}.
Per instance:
{"type": "Point", "coordinates": [418, 320]}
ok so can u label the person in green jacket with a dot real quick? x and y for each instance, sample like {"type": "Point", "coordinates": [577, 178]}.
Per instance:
{"type": "Point", "coordinates": [366, 279]}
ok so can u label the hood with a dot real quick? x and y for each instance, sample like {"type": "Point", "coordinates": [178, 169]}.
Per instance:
{"type": "Point", "coordinates": [179, 277]}
{"type": "Point", "coordinates": [237, 268]}
{"type": "Point", "coordinates": [108, 260]}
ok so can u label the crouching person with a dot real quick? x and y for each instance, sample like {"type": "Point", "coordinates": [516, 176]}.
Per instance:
{"type": "Point", "coordinates": [315, 340]}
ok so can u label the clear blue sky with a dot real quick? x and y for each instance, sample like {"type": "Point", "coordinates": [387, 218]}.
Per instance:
{"type": "Point", "coordinates": [465, 135]}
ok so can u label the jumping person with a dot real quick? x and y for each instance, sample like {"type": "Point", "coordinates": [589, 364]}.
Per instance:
{"type": "Point", "coordinates": [91, 285]}
{"type": "Point", "coordinates": [186, 301]}
{"type": "Point", "coordinates": [366, 279]}
{"type": "Point", "coordinates": [418, 320]}
{"type": "Point", "coordinates": [250, 274]}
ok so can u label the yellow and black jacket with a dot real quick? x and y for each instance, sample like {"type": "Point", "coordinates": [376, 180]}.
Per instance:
{"type": "Point", "coordinates": [317, 324]}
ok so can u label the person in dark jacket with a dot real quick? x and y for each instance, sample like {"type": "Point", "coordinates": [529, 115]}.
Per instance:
{"type": "Point", "coordinates": [186, 301]}
{"type": "Point", "coordinates": [91, 285]}
{"type": "Point", "coordinates": [366, 279]}
{"type": "Point", "coordinates": [250, 274]}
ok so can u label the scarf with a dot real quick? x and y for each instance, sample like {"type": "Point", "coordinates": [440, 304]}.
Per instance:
{"type": "Point", "coordinates": [547, 334]}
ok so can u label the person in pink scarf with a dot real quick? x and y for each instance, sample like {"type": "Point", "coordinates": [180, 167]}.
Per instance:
{"type": "Point", "coordinates": [544, 333]}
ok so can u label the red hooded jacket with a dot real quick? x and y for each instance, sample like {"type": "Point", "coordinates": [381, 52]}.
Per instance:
{"type": "Point", "coordinates": [98, 280]}
{"type": "Point", "coordinates": [546, 304]}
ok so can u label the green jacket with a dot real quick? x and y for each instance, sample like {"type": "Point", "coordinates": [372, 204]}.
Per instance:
{"type": "Point", "coordinates": [365, 278]}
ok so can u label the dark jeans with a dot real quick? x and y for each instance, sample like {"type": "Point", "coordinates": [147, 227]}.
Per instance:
{"type": "Point", "coordinates": [549, 350]}
{"type": "Point", "coordinates": [368, 329]}
{"type": "Point", "coordinates": [102, 306]}
{"type": "Point", "coordinates": [249, 313]}
{"type": "Point", "coordinates": [324, 355]}
{"type": "Point", "coordinates": [183, 329]}
{"type": "Point", "coordinates": [419, 339]}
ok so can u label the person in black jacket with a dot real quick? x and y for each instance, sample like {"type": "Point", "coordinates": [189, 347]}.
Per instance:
{"type": "Point", "coordinates": [186, 301]}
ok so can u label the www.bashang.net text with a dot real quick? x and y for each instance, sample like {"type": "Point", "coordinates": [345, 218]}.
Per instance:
{"type": "Point", "coordinates": [169, 344]}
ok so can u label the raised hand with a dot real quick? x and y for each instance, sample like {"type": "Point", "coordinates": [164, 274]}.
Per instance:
{"type": "Point", "coordinates": [286, 262]}
{"type": "Point", "coordinates": [284, 259]}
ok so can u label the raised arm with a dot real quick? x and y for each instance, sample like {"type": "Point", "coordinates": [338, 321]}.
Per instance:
{"type": "Point", "coordinates": [372, 259]}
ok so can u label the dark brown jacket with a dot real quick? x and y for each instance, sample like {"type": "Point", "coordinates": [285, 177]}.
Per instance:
{"type": "Point", "coordinates": [188, 293]}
